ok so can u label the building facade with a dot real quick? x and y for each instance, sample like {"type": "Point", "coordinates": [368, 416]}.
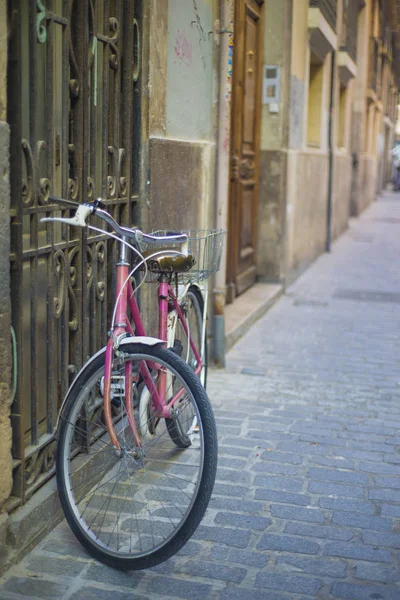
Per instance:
{"type": "Point", "coordinates": [271, 119]}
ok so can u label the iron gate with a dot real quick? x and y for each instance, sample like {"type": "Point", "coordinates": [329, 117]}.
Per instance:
{"type": "Point", "coordinates": [73, 107]}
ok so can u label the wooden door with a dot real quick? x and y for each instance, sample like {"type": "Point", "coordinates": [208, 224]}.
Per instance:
{"type": "Point", "coordinates": [245, 126]}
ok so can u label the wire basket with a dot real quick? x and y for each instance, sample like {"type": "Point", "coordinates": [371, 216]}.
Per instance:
{"type": "Point", "coordinates": [205, 246]}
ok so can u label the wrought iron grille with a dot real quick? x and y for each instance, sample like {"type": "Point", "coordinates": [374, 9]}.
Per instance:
{"type": "Point", "coordinates": [328, 9]}
{"type": "Point", "coordinates": [73, 104]}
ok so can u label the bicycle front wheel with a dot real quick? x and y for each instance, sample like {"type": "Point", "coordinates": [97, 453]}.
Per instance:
{"type": "Point", "coordinates": [135, 507]}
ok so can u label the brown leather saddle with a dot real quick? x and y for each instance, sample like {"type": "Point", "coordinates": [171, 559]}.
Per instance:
{"type": "Point", "coordinates": [169, 262]}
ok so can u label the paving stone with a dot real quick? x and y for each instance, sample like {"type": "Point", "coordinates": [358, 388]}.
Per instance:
{"type": "Point", "coordinates": [373, 572]}
{"type": "Point", "coordinates": [352, 591]}
{"type": "Point", "coordinates": [233, 463]}
{"type": "Point", "coordinates": [95, 593]}
{"type": "Point", "coordinates": [302, 448]}
{"type": "Point", "coordinates": [312, 515]}
{"type": "Point", "coordinates": [335, 489]}
{"type": "Point", "coordinates": [382, 468]}
{"type": "Point", "coordinates": [66, 548]}
{"type": "Point", "coordinates": [241, 441]}
{"type": "Point", "coordinates": [180, 588]}
{"type": "Point", "coordinates": [373, 538]}
{"type": "Point", "coordinates": [283, 543]}
{"type": "Point", "coordinates": [392, 458]}
{"type": "Point", "coordinates": [190, 549]}
{"type": "Point", "coordinates": [277, 468]}
{"type": "Point", "coordinates": [388, 482]}
{"type": "Point", "coordinates": [243, 521]}
{"type": "Point", "coordinates": [388, 495]}
{"type": "Point", "coordinates": [320, 531]}
{"type": "Point", "coordinates": [235, 451]}
{"type": "Point", "coordinates": [104, 574]}
{"type": "Point", "coordinates": [236, 491]}
{"type": "Point", "coordinates": [285, 497]}
{"type": "Point", "coordinates": [360, 520]}
{"type": "Point", "coordinates": [339, 476]}
{"type": "Point", "coordinates": [354, 454]}
{"type": "Point", "coordinates": [56, 566]}
{"type": "Point", "coordinates": [233, 476]}
{"type": "Point", "coordinates": [315, 566]}
{"type": "Point", "coordinates": [338, 462]}
{"type": "Point", "coordinates": [390, 510]}
{"type": "Point", "coordinates": [200, 568]}
{"type": "Point", "coordinates": [231, 593]}
{"type": "Point", "coordinates": [248, 506]}
{"type": "Point", "coordinates": [284, 457]}
{"type": "Point", "coordinates": [38, 587]}
{"type": "Point", "coordinates": [347, 505]}
{"type": "Point", "coordinates": [230, 537]}
{"type": "Point", "coordinates": [356, 551]}
{"type": "Point", "coordinates": [288, 583]}
{"type": "Point", "coordinates": [241, 557]}
{"type": "Point", "coordinates": [289, 484]}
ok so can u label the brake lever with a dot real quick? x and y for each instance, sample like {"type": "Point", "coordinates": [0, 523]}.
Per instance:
{"type": "Point", "coordinates": [79, 220]}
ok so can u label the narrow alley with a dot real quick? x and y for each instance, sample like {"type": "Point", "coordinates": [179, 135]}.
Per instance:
{"type": "Point", "coordinates": [307, 500]}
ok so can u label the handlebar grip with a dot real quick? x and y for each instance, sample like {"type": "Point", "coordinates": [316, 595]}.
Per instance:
{"type": "Point", "coordinates": [64, 202]}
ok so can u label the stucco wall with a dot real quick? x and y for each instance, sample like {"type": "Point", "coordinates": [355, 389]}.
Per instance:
{"type": "Point", "coordinates": [341, 193]}
{"type": "Point", "coordinates": [306, 209]}
{"type": "Point", "coordinates": [180, 182]}
{"type": "Point", "coordinates": [272, 214]}
{"type": "Point", "coordinates": [367, 169]}
{"type": "Point", "coordinates": [190, 69]}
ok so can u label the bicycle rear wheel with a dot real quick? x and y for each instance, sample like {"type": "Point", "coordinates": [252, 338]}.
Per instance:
{"type": "Point", "coordinates": [134, 508]}
{"type": "Point", "coordinates": [193, 310]}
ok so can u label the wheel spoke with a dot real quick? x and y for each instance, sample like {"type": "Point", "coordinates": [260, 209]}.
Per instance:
{"type": "Point", "coordinates": [132, 501]}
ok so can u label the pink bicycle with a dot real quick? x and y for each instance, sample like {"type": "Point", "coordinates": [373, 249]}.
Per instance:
{"type": "Point", "coordinates": [137, 443]}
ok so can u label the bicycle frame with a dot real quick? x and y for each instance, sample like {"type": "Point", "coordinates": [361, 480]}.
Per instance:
{"type": "Point", "coordinates": [126, 298]}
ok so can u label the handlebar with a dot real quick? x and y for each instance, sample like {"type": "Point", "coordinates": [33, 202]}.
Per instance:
{"type": "Point", "coordinates": [83, 211]}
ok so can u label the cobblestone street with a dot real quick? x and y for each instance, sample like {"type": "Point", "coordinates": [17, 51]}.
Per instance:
{"type": "Point", "coordinates": [307, 500]}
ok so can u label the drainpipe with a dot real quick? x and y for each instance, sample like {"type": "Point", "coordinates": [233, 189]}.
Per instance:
{"type": "Point", "coordinates": [226, 17]}
{"type": "Point", "coordinates": [331, 149]}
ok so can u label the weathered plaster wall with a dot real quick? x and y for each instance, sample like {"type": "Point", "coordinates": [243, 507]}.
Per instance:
{"type": "Point", "coordinates": [274, 137]}
{"type": "Point", "coordinates": [306, 209]}
{"type": "Point", "coordinates": [157, 30]}
{"type": "Point", "coordinates": [181, 108]}
{"type": "Point", "coordinates": [365, 171]}
{"type": "Point", "coordinates": [341, 193]}
{"type": "Point", "coordinates": [367, 184]}
{"type": "Point", "coordinates": [190, 69]}
{"type": "Point", "coordinates": [272, 214]}
{"type": "Point", "coordinates": [5, 308]}
{"type": "Point", "coordinates": [180, 182]}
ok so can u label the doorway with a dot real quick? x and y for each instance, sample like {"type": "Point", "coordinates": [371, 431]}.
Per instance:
{"type": "Point", "coordinates": [245, 143]}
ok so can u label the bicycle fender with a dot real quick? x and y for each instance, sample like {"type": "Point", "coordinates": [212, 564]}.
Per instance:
{"type": "Point", "coordinates": [140, 339]}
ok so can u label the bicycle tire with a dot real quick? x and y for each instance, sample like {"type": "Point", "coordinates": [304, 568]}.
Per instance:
{"type": "Point", "coordinates": [195, 310]}
{"type": "Point", "coordinates": [194, 307]}
{"type": "Point", "coordinates": [83, 443]}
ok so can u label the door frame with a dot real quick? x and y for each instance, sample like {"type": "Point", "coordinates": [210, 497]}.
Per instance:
{"type": "Point", "coordinates": [236, 140]}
